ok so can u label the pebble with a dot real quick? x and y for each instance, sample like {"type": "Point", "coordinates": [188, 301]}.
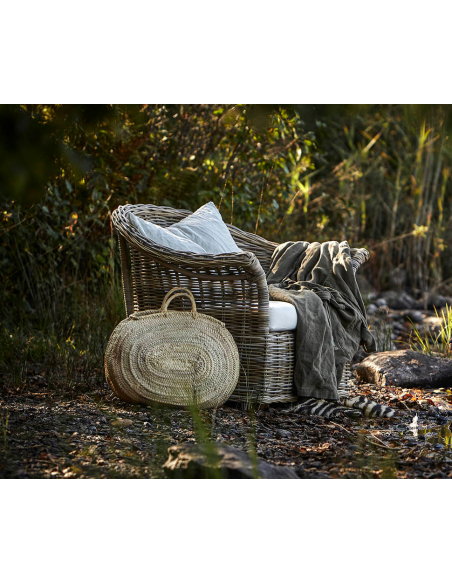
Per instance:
{"type": "Point", "coordinates": [415, 316]}
{"type": "Point", "coordinates": [284, 434]}
{"type": "Point", "coordinates": [122, 422]}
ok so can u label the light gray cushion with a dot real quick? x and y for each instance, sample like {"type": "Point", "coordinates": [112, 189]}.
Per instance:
{"type": "Point", "coordinates": [164, 237]}
{"type": "Point", "coordinates": [201, 232]}
{"type": "Point", "coordinates": [207, 228]}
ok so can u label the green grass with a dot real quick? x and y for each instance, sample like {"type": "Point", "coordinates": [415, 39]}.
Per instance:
{"type": "Point", "coordinates": [383, 330]}
{"type": "Point", "coordinates": [64, 342]}
{"type": "Point", "coordinates": [430, 343]}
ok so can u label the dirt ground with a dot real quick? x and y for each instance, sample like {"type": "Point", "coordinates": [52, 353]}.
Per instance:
{"type": "Point", "coordinates": [95, 435]}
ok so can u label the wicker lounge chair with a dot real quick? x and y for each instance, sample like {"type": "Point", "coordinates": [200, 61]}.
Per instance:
{"type": "Point", "coordinates": [229, 287]}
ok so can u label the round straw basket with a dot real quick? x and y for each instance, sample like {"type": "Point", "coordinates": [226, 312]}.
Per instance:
{"type": "Point", "coordinates": [172, 357]}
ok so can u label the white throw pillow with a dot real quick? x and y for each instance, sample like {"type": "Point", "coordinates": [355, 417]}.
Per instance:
{"type": "Point", "coordinates": [204, 231]}
{"type": "Point", "coordinates": [207, 228]}
{"type": "Point", "coordinates": [164, 237]}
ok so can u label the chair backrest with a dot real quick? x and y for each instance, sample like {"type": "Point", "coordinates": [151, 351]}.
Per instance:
{"type": "Point", "coordinates": [166, 216]}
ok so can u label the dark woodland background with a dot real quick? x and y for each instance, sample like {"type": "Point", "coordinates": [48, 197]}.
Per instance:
{"type": "Point", "coordinates": [376, 175]}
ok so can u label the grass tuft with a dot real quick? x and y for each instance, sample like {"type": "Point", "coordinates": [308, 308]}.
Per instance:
{"type": "Point", "coordinates": [430, 343]}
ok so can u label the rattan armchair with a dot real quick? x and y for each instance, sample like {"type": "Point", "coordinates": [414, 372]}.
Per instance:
{"type": "Point", "coordinates": [229, 287]}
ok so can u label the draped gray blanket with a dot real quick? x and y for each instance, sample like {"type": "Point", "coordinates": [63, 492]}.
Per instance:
{"type": "Point", "coordinates": [318, 279]}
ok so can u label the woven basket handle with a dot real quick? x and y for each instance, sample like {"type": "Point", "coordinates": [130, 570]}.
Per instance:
{"type": "Point", "coordinates": [174, 293]}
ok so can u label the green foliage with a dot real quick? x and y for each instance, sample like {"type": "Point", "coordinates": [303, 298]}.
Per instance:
{"type": "Point", "coordinates": [181, 156]}
{"type": "Point", "coordinates": [431, 343]}
{"type": "Point", "coordinates": [377, 176]}
{"type": "Point", "coordinates": [49, 248]}
{"type": "Point", "coordinates": [385, 184]}
{"type": "Point", "coordinates": [36, 141]}
{"type": "Point", "coordinates": [67, 340]}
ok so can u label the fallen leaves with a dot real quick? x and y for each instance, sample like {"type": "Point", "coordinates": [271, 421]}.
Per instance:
{"type": "Point", "coordinates": [81, 437]}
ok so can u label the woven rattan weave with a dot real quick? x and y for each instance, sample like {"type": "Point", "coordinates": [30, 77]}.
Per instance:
{"type": "Point", "coordinates": [172, 357]}
{"type": "Point", "coordinates": [229, 287]}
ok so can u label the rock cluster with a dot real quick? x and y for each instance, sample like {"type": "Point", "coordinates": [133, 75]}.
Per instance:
{"type": "Point", "coordinates": [404, 301]}
{"type": "Point", "coordinates": [393, 316]}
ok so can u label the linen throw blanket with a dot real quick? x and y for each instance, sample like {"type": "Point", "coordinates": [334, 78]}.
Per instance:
{"type": "Point", "coordinates": [318, 279]}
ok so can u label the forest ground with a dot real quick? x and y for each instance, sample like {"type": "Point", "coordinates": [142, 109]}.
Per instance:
{"type": "Point", "coordinates": [95, 435]}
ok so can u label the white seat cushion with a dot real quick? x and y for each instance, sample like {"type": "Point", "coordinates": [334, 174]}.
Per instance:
{"type": "Point", "coordinates": [282, 316]}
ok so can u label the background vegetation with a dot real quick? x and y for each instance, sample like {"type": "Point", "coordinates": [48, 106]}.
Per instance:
{"type": "Point", "coordinates": [378, 176]}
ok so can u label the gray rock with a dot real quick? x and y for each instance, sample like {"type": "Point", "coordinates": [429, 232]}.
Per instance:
{"type": "Point", "coordinates": [371, 309]}
{"type": "Point", "coordinates": [398, 300]}
{"type": "Point", "coordinates": [381, 302]}
{"type": "Point", "coordinates": [436, 301]}
{"type": "Point", "coordinates": [432, 301]}
{"type": "Point", "coordinates": [430, 325]}
{"type": "Point", "coordinates": [216, 460]}
{"type": "Point", "coordinates": [283, 434]}
{"type": "Point", "coordinates": [392, 315]}
{"type": "Point", "coordinates": [398, 327]}
{"type": "Point", "coordinates": [415, 316]}
{"type": "Point", "coordinates": [405, 368]}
